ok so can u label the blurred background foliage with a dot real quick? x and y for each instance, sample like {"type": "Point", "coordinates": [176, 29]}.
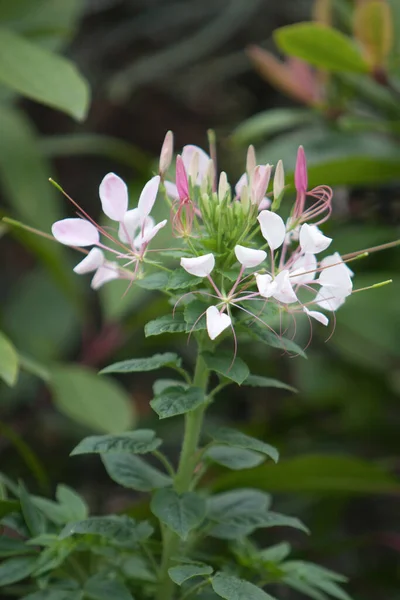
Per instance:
{"type": "Point", "coordinates": [323, 74]}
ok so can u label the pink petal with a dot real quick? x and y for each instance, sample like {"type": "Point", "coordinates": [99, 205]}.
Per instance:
{"type": "Point", "coordinates": [203, 160]}
{"type": "Point", "coordinates": [300, 173]}
{"type": "Point", "coordinates": [172, 190]}
{"type": "Point", "coordinates": [260, 181]}
{"type": "Point", "coordinates": [272, 228]}
{"type": "Point", "coordinates": [182, 183]}
{"type": "Point", "coordinates": [148, 197]}
{"type": "Point", "coordinates": [243, 182]}
{"type": "Point", "coordinates": [318, 316]}
{"type": "Point", "coordinates": [264, 204]}
{"type": "Point", "coordinates": [248, 257]}
{"type": "Point", "coordinates": [216, 322]}
{"type": "Point", "coordinates": [105, 273]}
{"type": "Point", "coordinates": [75, 232]}
{"type": "Point", "coordinates": [129, 225]}
{"type": "Point", "coordinates": [312, 240]}
{"type": "Point", "coordinates": [91, 262]}
{"type": "Point", "coordinates": [114, 197]}
{"type": "Point", "coordinates": [200, 266]}
{"type": "Point", "coordinates": [150, 233]}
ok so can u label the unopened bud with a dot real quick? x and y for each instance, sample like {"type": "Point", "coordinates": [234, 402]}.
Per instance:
{"type": "Point", "coordinates": [181, 179]}
{"type": "Point", "coordinates": [279, 180]}
{"type": "Point", "coordinates": [223, 186]}
{"type": "Point", "coordinates": [259, 184]}
{"type": "Point", "coordinates": [210, 174]}
{"type": "Point", "coordinates": [300, 173]}
{"type": "Point", "coordinates": [251, 160]}
{"type": "Point", "coordinates": [166, 153]}
{"type": "Point", "coordinates": [194, 167]}
{"type": "Point", "coordinates": [244, 197]}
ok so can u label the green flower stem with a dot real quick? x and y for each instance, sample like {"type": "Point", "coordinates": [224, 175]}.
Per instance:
{"type": "Point", "coordinates": [182, 482]}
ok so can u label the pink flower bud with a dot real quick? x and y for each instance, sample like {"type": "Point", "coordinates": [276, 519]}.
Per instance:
{"type": "Point", "coordinates": [259, 185]}
{"type": "Point", "coordinates": [166, 153]}
{"type": "Point", "coordinates": [181, 179]}
{"type": "Point", "coordinates": [300, 174]}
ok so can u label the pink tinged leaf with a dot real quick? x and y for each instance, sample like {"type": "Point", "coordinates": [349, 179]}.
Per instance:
{"type": "Point", "coordinates": [248, 257]}
{"type": "Point", "coordinates": [328, 299]}
{"type": "Point", "coordinates": [172, 190]}
{"type": "Point", "coordinates": [107, 272]}
{"type": "Point", "coordinates": [318, 316]}
{"type": "Point", "coordinates": [181, 179]}
{"type": "Point", "coordinates": [129, 226]}
{"type": "Point", "coordinates": [203, 160]}
{"type": "Point", "coordinates": [114, 197]}
{"type": "Point", "coordinates": [266, 285]}
{"type": "Point", "coordinates": [75, 232]}
{"type": "Point", "coordinates": [216, 322]}
{"type": "Point", "coordinates": [272, 228]}
{"type": "Point", "coordinates": [260, 181]}
{"type": "Point", "coordinates": [149, 234]}
{"type": "Point", "coordinates": [284, 292]}
{"type": "Point", "coordinates": [200, 266]}
{"type": "Point", "coordinates": [300, 173]}
{"type": "Point", "coordinates": [91, 262]}
{"type": "Point", "coordinates": [148, 197]}
{"type": "Point", "coordinates": [303, 270]}
{"type": "Point", "coordinates": [312, 240]}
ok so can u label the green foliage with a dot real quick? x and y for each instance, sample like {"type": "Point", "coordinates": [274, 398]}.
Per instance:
{"type": "Point", "coordinates": [237, 439]}
{"type": "Point", "coordinates": [140, 441]}
{"type": "Point", "coordinates": [13, 570]}
{"type": "Point", "coordinates": [137, 365]}
{"type": "Point", "coordinates": [233, 588]}
{"type": "Point", "coordinates": [134, 473]}
{"type": "Point", "coordinates": [177, 400]}
{"type": "Point", "coordinates": [182, 573]}
{"type": "Point", "coordinates": [116, 529]}
{"type": "Point", "coordinates": [259, 381]}
{"type": "Point", "coordinates": [99, 587]}
{"type": "Point", "coordinates": [167, 324]}
{"type": "Point", "coordinates": [9, 361]}
{"type": "Point", "coordinates": [227, 365]}
{"type": "Point", "coordinates": [234, 458]}
{"type": "Point", "coordinates": [179, 512]}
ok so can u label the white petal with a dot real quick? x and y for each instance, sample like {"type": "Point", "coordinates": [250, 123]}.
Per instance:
{"type": "Point", "coordinates": [284, 291]}
{"type": "Point", "coordinates": [327, 299]}
{"type": "Point", "coordinates": [114, 196]}
{"type": "Point", "coordinates": [150, 233]}
{"type": "Point", "coordinates": [203, 160]}
{"type": "Point", "coordinates": [312, 240]}
{"type": "Point", "coordinates": [75, 232]}
{"type": "Point", "coordinates": [303, 270]}
{"type": "Point", "coordinates": [333, 259]}
{"type": "Point", "coordinates": [172, 190]}
{"type": "Point", "coordinates": [129, 225]}
{"type": "Point", "coordinates": [200, 266]}
{"type": "Point", "coordinates": [264, 204]}
{"type": "Point", "coordinates": [265, 284]}
{"type": "Point", "coordinates": [216, 322]}
{"type": "Point", "coordinates": [105, 273]}
{"type": "Point", "coordinates": [91, 262]}
{"type": "Point", "coordinates": [249, 257]}
{"type": "Point", "coordinates": [147, 226]}
{"type": "Point", "coordinates": [148, 197]}
{"type": "Point", "coordinates": [243, 181]}
{"type": "Point", "coordinates": [336, 275]}
{"type": "Point", "coordinates": [272, 228]}
{"type": "Point", "coordinates": [318, 316]}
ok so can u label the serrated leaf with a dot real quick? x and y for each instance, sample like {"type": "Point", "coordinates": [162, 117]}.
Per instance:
{"type": "Point", "coordinates": [9, 361]}
{"type": "Point", "coordinates": [194, 315]}
{"type": "Point", "coordinates": [99, 587]}
{"type": "Point", "coordinates": [224, 364]}
{"type": "Point", "coordinates": [259, 381]}
{"type": "Point", "coordinates": [134, 473]}
{"type": "Point", "coordinates": [42, 76]}
{"type": "Point", "coordinates": [155, 281]}
{"type": "Point", "coordinates": [139, 365]}
{"type": "Point", "coordinates": [233, 588]}
{"type": "Point", "coordinates": [179, 512]}
{"type": "Point", "coordinates": [232, 437]}
{"type": "Point", "coordinates": [182, 573]}
{"type": "Point", "coordinates": [177, 400]}
{"type": "Point", "coordinates": [16, 569]}
{"type": "Point", "coordinates": [33, 517]}
{"type": "Point", "coordinates": [321, 46]}
{"type": "Point", "coordinates": [166, 324]}
{"type": "Point", "coordinates": [119, 529]}
{"type": "Point", "coordinates": [140, 441]}
{"type": "Point", "coordinates": [180, 280]}
{"type": "Point", "coordinates": [234, 458]}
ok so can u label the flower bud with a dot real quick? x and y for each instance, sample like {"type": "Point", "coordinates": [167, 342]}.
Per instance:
{"type": "Point", "coordinates": [223, 186]}
{"type": "Point", "coordinates": [166, 153]}
{"type": "Point", "coordinates": [194, 167]}
{"type": "Point", "coordinates": [279, 185]}
{"type": "Point", "coordinates": [259, 184]}
{"type": "Point", "coordinates": [251, 160]}
{"type": "Point", "coordinates": [181, 179]}
{"type": "Point", "coordinates": [300, 174]}
{"type": "Point", "coordinates": [244, 197]}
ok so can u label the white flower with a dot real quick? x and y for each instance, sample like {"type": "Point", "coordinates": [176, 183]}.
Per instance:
{"type": "Point", "coordinates": [200, 266]}
{"type": "Point", "coordinates": [91, 262]}
{"type": "Point", "coordinates": [303, 270]}
{"type": "Point", "coordinates": [312, 240]}
{"type": "Point", "coordinates": [318, 316]}
{"type": "Point", "coordinates": [248, 257]}
{"type": "Point", "coordinates": [216, 322]}
{"type": "Point", "coordinates": [273, 228]}
{"type": "Point", "coordinates": [279, 288]}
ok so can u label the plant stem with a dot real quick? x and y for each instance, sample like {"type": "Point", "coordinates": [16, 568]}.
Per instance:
{"type": "Point", "coordinates": [182, 482]}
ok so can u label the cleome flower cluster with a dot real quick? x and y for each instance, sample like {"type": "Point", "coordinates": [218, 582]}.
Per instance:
{"type": "Point", "coordinates": [233, 242]}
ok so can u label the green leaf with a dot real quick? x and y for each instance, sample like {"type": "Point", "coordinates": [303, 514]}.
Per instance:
{"type": "Point", "coordinates": [233, 588]}
{"type": "Point", "coordinates": [265, 336]}
{"type": "Point", "coordinates": [155, 281]}
{"type": "Point", "coordinates": [237, 502]}
{"type": "Point", "coordinates": [276, 553]}
{"type": "Point", "coordinates": [116, 528]}
{"type": "Point", "coordinates": [16, 569]}
{"type": "Point", "coordinates": [259, 381]}
{"type": "Point", "coordinates": [33, 517]}
{"type": "Point", "coordinates": [225, 364]}
{"type": "Point", "coordinates": [180, 280]}
{"type": "Point", "coordinates": [194, 315]}
{"type": "Point", "coordinates": [96, 402]}
{"type": "Point", "coordinates": [182, 573]}
{"type": "Point", "coordinates": [299, 574]}
{"type": "Point", "coordinates": [134, 473]}
{"type": "Point", "coordinates": [160, 385]}
{"type": "Point", "coordinates": [321, 474]}
{"type": "Point", "coordinates": [177, 400]}
{"type": "Point", "coordinates": [7, 507]}
{"type": "Point", "coordinates": [321, 46]}
{"type": "Point", "coordinates": [8, 361]}
{"type": "Point", "coordinates": [138, 365]}
{"type": "Point", "coordinates": [140, 441]}
{"type": "Point", "coordinates": [99, 587]}
{"type": "Point", "coordinates": [52, 557]}
{"type": "Point", "coordinates": [234, 458]}
{"type": "Point", "coordinates": [13, 547]}
{"type": "Point", "coordinates": [166, 324]}
{"type": "Point", "coordinates": [179, 512]}
{"type": "Point", "coordinates": [232, 437]}
{"type": "Point", "coordinates": [55, 594]}
{"type": "Point", "coordinates": [42, 76]}
{"type": "Point", "coordinates": [73, 504]}
{"type": "Point", "coordinates": [244, 524]}
{"type": "Point", "coordinates": [271, 122]}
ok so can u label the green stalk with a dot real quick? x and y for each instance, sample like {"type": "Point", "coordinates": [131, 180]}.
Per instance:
{"type": "Point", "coordinates": [182, 482]}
